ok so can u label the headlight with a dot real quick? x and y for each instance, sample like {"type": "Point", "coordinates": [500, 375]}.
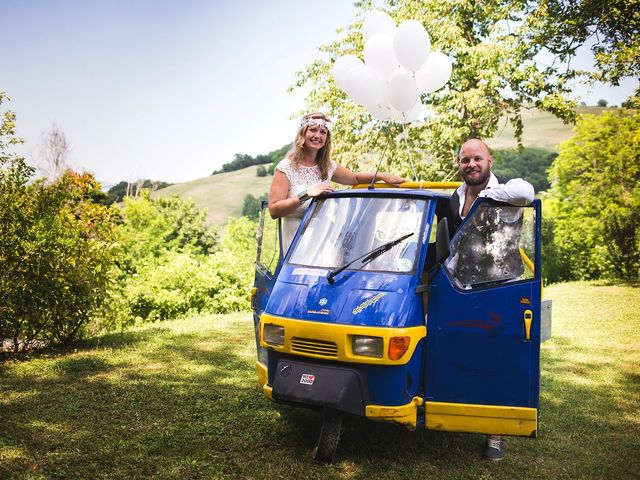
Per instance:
{"type": "Point", "coordinates": [367, 346]}
{"type": "Point", "coordinates": [273, 334]}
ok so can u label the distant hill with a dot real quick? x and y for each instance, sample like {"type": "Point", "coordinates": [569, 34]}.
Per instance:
{"type": "Point", "coordinates": [223, 194]}
{"type": "Point", "coordinates": [541, 130]}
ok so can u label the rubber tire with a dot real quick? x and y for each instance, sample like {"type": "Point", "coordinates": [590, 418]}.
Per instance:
{"type": "Point", "coordinates": [329, 437]}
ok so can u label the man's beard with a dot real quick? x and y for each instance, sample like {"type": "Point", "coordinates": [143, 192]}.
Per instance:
{"type": "Point", "coordinates": [476, 180]}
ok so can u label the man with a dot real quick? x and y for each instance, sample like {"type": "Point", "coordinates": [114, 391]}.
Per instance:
{"type": "Point", "coordinates": [474, 165]}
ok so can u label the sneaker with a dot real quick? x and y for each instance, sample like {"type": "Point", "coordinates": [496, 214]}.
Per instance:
{"type": "Point", "coordinates": [494, 448]}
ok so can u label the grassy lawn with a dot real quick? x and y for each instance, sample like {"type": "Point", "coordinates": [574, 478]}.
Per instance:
{"type": "Point", "coordinates": [180, 400]}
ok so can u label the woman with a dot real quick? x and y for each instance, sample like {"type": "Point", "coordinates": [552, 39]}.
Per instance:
{"type": "Point", "coordinates": [307, 171]}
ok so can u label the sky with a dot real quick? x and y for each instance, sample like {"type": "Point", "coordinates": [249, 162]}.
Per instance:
{"type": "Point", "coordinates": [169, 90]}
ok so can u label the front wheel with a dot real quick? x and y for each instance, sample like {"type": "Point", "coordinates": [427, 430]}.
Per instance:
{"type": "Point", "coordinates": [329, 436]}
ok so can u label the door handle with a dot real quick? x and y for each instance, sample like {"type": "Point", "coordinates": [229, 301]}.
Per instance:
{"type": "Point", "coordinates": [528, 318]}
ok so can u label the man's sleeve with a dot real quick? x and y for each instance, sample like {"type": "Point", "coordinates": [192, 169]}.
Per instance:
{"type": "Point", "coordinates": [515, 192]}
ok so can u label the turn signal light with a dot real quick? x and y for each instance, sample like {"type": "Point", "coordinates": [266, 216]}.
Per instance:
{"type": "Point", "coordinates": [398, 346]}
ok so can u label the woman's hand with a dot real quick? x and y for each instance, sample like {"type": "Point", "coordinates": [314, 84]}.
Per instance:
{"type": "Point", "coordinates": [391, 179]}
{"type": "Point", "coordinates": [319, 189]}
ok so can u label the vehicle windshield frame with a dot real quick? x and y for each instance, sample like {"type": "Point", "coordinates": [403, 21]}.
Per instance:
{"type": "Point", "coordinates": [422, 208]}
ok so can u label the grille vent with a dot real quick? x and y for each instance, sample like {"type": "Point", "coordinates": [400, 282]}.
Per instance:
{"type": "Point", "coordinates": [314, 347]}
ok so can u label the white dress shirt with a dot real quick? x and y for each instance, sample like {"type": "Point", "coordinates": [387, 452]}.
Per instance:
{"type": "Point", "coordinates": [516, 192]}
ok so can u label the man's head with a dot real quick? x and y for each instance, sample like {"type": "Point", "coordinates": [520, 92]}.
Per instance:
{"type": "Point", "coordinates": [474, 162]}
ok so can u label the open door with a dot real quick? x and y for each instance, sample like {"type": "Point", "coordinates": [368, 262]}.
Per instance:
{"type": "Point", "coordinates": [268, 262]}
{"type": "Point", "coordinates": [482, 371]}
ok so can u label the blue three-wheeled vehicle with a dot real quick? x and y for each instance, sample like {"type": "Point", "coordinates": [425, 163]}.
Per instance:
{"type": "Point", "coordinates": [376, 310]}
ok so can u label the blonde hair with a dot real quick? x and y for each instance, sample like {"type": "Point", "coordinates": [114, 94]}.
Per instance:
{"type": "Point", "coordinates": [323, 159]}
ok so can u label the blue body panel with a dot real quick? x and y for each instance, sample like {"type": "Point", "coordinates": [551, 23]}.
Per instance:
{"type": "Point", "coordinates": [476, 347]}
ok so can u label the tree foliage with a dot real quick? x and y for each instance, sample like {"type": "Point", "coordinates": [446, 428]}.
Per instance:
{"type": "Point", "coordinates": [492, 45]}
{"type": "Point", "coordinates": [594, 202]}
{"type": "Point", "coordinates": [611, 26]}
{"type": "Point", "coordinates": [252, 206]}
{"type": "Point", "coordinates": [530, 164]}
{"type": "Point", "coordinates": [123, 189]}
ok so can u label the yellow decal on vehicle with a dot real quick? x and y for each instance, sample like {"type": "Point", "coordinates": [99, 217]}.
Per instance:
{"type": "Point", "coordinates": [367, 303]}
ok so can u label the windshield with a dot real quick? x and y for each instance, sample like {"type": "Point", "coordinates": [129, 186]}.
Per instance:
{"type": "Point", "coordinates": [343, 229]}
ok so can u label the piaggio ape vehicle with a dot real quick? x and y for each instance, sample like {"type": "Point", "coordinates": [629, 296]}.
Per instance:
{"type": "Point", "coordinates": [373, 310]}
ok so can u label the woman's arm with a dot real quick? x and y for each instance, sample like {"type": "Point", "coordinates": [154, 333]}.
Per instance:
{"type": "Point", "coordinates": [345, 176]}
{"type": "Point", "coordinates": [279, 204]}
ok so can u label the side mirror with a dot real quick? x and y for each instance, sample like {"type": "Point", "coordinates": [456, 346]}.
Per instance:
{"type": "Point", "coordinates": [442, 241]}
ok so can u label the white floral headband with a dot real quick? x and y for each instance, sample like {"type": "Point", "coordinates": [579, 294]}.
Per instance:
{"type": "Point", "coordinates": [315, 122]}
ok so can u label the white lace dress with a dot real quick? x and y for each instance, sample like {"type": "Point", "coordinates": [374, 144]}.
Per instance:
{"type": "Point", "coordinates": [300, 179]}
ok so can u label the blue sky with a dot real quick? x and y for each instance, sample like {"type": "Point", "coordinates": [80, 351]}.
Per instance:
{"type": "Point", "coordinates": [164, 89]}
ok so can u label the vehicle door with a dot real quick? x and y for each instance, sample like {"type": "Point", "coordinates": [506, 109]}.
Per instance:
{"type": "Point", "coordinates": [483, 325]}
{"type": "Point", "coordinates": [268, 263]}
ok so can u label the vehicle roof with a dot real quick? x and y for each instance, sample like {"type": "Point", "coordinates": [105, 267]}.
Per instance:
{"type": "Point", "coordinates": [409, 189]}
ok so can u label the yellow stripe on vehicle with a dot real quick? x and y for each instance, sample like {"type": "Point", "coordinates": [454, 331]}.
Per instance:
{"type": "Point", "coordinates": [489, 419]}
{"type": "Point", "coordinates": [406, 415]}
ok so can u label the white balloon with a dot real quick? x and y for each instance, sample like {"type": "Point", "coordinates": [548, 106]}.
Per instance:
{"type": "Point", "coordinates": [414, 113]}
{"type": "Point", "coordinates": [378, 54]}
{"type": "Point", "coordinates": [364, 86]}
{"type": "Point", "coordinates": [411, 44]}
{"type": "Point", "coordinates": [380, 112]}
{"type": "Point", "coordinates": [435, 73]}
{"type": "Point", "coordinates": [403, 92]}
{"type": "Point", "coordinates": [377, 22]}
{"type": "Point", "coordinates": [342, 66]}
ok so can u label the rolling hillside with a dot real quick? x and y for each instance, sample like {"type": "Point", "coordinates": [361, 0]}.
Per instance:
{"type": "Point", "coordinates": [223, 194]}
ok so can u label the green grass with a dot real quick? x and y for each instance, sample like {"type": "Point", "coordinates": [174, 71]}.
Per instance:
{"type": "Point", "coordinates": [180, 400]}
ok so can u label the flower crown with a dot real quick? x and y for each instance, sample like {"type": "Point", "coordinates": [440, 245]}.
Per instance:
{"type": "Point", "coordinates": [315, 122]}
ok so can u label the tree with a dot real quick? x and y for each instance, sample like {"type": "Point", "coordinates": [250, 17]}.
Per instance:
{"type": "Point", "coordinates": [612, 27]}
{"type": "Point", "coordinates": [602, 102]}
{"type": "Point", "coordinates": [595, 199]}
{"type": "Point", "coordinates": [261, 171]}
{"type": "Point", "coordinates": [54, 148]}
{"type": "Point", "coordinates": [252, 206]}
{"type": "Point", "coordinates": [56, 250]}
{"type": "Point", "coordinates": [492, 45]}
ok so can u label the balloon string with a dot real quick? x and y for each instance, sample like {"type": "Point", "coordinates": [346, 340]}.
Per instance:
{"type": "Point", "coordinates": [406, 144]}
{"type": "Point", "coordinates": [375, 175]}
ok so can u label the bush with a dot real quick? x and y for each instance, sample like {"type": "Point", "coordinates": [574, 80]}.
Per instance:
{"type": "Point", "coordinates": [261, 171]}
{"type": "Point", "coordinates": [57, 247]}
{"type": "Point", "coordinates": [177, 278]}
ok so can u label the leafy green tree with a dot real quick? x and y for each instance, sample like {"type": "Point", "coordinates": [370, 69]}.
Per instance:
{"type": "Point", "coordinates": [492, 45]}
{"type": "Point", "coordinates": [595, 199]}
{"type": "Point", "coordinates": [611, 28]}
{"type": "Point", "coordinates": [602, 102]}
{"type": "Point", "coordinates": [261, 171]}
{"type": "Point", "coordinates": [252, 206]}
{"type": "Point", "coordinates": [530, 164]}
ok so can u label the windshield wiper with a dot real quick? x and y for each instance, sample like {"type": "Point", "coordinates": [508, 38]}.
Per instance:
{"type": "Point", "coordinates": [368, 257]}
